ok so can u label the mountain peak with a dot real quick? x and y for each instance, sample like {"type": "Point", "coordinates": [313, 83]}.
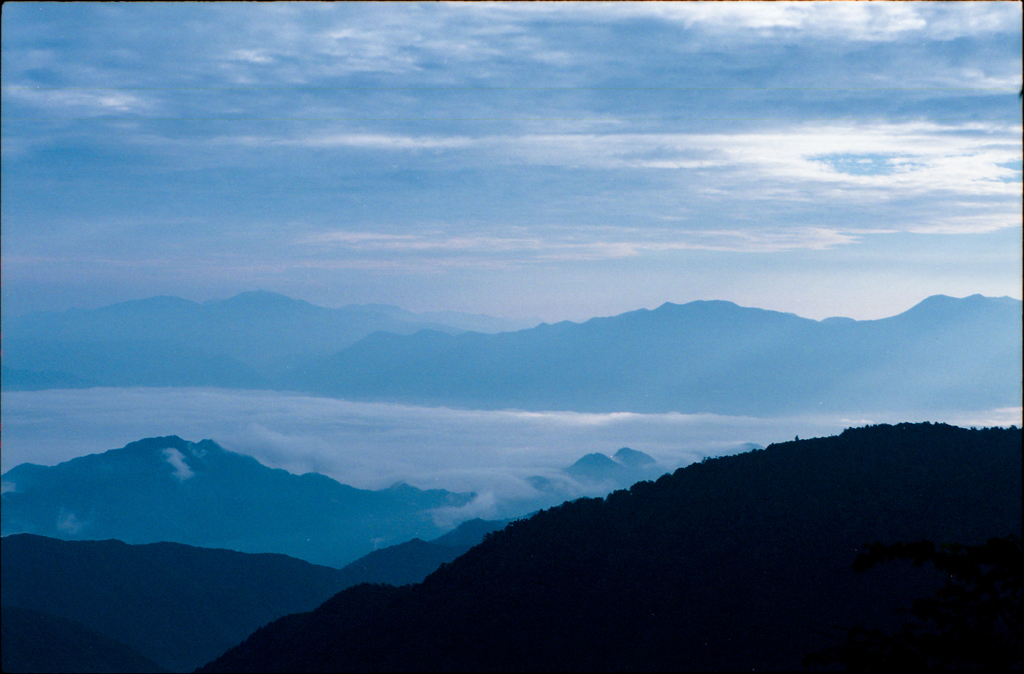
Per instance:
{"type": "Point", "coordinates": [261, 299]}
{"type": "Point", "coordinates": [633, 458]}
{"type": "Point", "coordinates": [940, 306]}
{"type": "Point", "coordinates": [596, 467]}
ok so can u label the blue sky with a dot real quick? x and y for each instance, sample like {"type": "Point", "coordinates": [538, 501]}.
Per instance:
{"type": "Point", "coordinates": [555, 160]}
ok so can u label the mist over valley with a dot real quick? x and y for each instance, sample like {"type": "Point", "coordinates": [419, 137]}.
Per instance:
{"type": "Point", "coordinates": [548, 336]}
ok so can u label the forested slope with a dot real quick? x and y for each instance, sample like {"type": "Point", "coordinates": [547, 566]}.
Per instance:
{"type": "Point", "coordinates": [741, 562]}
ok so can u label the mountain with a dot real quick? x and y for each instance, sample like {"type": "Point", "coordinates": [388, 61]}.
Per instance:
{"type": "Point", "coordinates": [414, 560]}
{"type": "Point", "coordinates": [625, 468]}
{"type": "Point", "coordinates": [177, 605]}
{"type": "Point", "coordinates": [455, 319]}
{"type": "Point", "coordinates": [100, 604]}
{"type": "Point", "coordinates": [943, 354]}
{"type": "Point", "coordinates": [736, 563]}
{"type": "Point", "coordinates": [702, 357]}
{"type": "Point", "coordinates": [252, 340]}
{"type": "Point", "coordinates": [39, 642]}
{"type": "Point", "coordinates": [168, 489]}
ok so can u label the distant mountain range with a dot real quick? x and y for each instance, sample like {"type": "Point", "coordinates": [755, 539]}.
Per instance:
{"type": "Point", "coordinates": [169, 489]}
{"type": "Point", "coordinates": [198, 493]}
{"type": "Point", "coordinates": [943, 354]}
{"type": "Point", "coordinates": [737, 563]}
{"type": "Point", "coordinates": [107, 606]}
{"type": "Point", "coordinates": [252, 340]}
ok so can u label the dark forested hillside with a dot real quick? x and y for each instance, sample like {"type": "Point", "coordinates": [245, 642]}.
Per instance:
{"type": "Point", "coordinates": [39, 642]}
{"type": "Point", "coordinates": [176, 604]}
{"type": "Point", "coordinates": [74, 605]}
{"type": "Point", "coordinates": [741, 562]}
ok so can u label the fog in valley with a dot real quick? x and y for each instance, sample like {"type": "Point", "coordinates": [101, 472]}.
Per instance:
{"type": "Point", "coordinates": [373, 445]}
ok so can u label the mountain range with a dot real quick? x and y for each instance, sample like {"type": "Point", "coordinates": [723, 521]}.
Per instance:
{"type": "Point", "coordinates": [198, 493]}
{"type": "Point", "coordinates": [109, 606]}
{"type": "Point", "coordinates": [707, 356]}
{"type": "Point", "coordinates": [169, 489]}
{"type": "Point", "coordinates": [943, 354]}
{"type": "Point", "coordinates": [741, 562]}
{"type": "Point", "coordinates": [251, 340]}
{"type": "Point", "coordinates": [737, 563]}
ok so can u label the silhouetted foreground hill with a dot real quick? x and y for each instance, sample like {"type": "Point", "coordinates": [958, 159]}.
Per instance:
{"type": "Point", "coordinates": [37, 642]}
{"type": "Point", "coordinates": [74, 605]}
{"type": "Point", "coordinates": [177, 605]}
{"type": "Point", "coordinates": [741, 562]}
{"type": "Point", "coordinates": [168, 489]}
{"type": "Point", "coordinates": [943, 354]}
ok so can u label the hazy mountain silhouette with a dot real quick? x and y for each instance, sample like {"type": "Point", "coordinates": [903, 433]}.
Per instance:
{"type": "Point", "coordinates": [38, 642]}
{"type": "Point", "coordinates": [627, 466]}
{"type": "Point", "coordinates": [740, 562]}
{"type": "Point", "coordinates": [944, 353]}
{"type": "Point", "coordinates": [168, 489]}
{"type": "Point", "coordinates": [252, 340]}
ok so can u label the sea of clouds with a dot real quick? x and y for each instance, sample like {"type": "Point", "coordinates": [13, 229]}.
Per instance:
{"type": "Point", "coordinates": [373, 445]}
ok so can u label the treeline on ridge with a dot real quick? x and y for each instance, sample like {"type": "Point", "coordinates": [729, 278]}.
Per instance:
{"type": "Point", "coordinates": [735, 563]}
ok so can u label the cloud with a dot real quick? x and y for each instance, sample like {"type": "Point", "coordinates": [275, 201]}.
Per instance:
{"type": "Point", "coordinates": [82, 102]}
{"type": "Point", "coordinates": [561, 244]}
{"type": "Point", "coordinates": [851, 21]}
{"type": "Point", "coordinates": [374, 445]}
{"type": "Point", "coordinates": [69, 523]}
{"type": "Point", "coordinates": [359, 141]}
{"type": "Point", "coordinates": [181, 470]}
{"type": "Point", "coordinates": [447, 140]}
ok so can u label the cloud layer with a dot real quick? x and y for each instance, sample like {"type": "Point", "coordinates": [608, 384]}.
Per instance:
{"type": "Point", "coordinates": [372, 445]}
{"type": "Point", "coordinates": [449, 156]}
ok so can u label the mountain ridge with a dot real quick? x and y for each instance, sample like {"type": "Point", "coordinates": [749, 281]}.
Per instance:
{"type": "Point", "coordinates": [165, 489]}
{"type": "Point", "coordinates": [736, 563]}
{"type": "Point", "coordinates": [704, 356]}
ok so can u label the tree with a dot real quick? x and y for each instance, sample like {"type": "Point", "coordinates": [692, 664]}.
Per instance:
{"type": "Point", "coordinates": [973, 622]}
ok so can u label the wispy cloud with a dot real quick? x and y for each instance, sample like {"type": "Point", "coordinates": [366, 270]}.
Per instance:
{"type": "Point", "coordinates": [373, 445]}
{"type": "Point", "coordinates": [348, 145]}
{"type": "Point", "coordinates": [363, 141]}
{"type": "Point", "coordinates": [69, 523]}
{"type": "Point", "coordinates": [852, 21]}
{"type": "Point", "coordinates": [82, 102]}
{"type": "Point", "coordinates": [181, 470]}
{"type": "Point", "coordinates": [578, 244]}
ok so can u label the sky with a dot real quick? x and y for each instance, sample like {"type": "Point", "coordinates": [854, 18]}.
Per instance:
{"type": "Point", "coordinates": [557, 160]}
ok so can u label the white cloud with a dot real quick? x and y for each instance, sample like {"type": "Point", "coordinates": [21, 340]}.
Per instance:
{"type": "Point", "coordinates": [572, 243]}
{"type": "Point", "coordinates": [181, 470]}
{"type": "Point", "coordinates": [82, 102]}
{"type": "Point", "coordinates": [373, 445]}
{"type": "Point", "coordinates": [860, 21]}
{"type": "Point", "coordinates": [369, 141]}
{"type": "Point", "coordinates": [69, 523]}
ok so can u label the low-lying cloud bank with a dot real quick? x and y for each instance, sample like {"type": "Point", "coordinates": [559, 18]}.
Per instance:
{"type": "Point", "coordinates": [372, 445]}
